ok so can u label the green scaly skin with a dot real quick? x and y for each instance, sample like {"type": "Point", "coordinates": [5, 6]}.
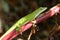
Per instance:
{"type": "Point", "coordinates": [25, 20]}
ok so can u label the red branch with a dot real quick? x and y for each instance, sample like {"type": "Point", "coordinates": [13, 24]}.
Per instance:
{"type": "Point", "coordinates": [46, 15]}
{"type": "Point", "coordinates": [14, 33]}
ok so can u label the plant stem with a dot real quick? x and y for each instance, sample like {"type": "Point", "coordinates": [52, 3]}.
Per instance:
{"type": "Point", "coordinates": [46, 15]}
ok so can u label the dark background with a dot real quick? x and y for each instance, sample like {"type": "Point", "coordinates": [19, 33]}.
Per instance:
{"type": "Point", "coordinates": [12, 10]}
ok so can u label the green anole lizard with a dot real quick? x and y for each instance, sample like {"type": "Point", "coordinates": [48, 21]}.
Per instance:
{"type": "Point", "coordinates": [25, 19]}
